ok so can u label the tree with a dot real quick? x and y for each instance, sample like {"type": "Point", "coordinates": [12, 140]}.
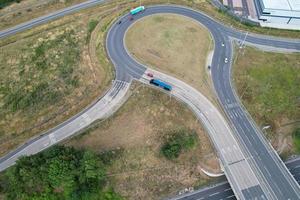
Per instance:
{"type": "Point", "coordinates": [55, 174]}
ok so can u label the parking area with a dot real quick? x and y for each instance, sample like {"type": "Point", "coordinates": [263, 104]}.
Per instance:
{"type": "Point", "coordinates": [244, 8]}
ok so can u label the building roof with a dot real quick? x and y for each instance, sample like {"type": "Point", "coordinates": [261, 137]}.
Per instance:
{"type": "Point", "coordinates": [276, 4]}
{"type": "Point", "coordinates": [279, 8]}
{"type": "Point", "coordinates": [295, 4]}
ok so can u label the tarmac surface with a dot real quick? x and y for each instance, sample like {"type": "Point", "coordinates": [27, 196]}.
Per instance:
{"type": "Point", "coordinates": [252, 167]}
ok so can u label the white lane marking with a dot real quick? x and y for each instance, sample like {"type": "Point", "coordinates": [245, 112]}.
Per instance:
{"type": "Point", "coordinates": [223, 150]}
{"type": "Point", "coordinates": [235, 114]}
{"type": "Point", "coordinates": [267, 171]}
{"type": "Point", "coordinates": [214, 194]}
{"type": "Point", "coordinates": [229, 197]}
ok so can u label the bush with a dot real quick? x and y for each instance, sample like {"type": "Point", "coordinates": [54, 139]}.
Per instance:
{"type": "Point", "coordinates": [92, 25]}
{"type": "Point", "coordinates": [171, 150]}
{"type": "Point", "coordinates": [178, 141]}
{"type": "Point", "coordinates": [107, 157]}
{"type": "Point", "coordinates": [4, 3]}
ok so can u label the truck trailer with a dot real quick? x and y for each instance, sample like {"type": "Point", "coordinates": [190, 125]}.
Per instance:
{"type": "Point", "coordinates": [161, 84]}
{"type": "Point", "coordinates": [137, 10]}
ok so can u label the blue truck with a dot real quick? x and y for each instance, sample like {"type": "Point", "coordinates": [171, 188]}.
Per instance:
{"type": "Point", "coordinates": [161, 84]}
{"type": "Point", "coordinates": [137, 10]}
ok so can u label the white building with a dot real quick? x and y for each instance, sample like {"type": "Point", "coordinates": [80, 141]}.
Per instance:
{"type": "Point", "coordinates": [279, 13]}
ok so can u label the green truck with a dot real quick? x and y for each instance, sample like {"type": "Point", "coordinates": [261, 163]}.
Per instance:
{"type": "Point", "coordinates": [137, 10]}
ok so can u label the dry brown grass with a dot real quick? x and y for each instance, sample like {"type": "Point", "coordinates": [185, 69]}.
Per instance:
{"type": "Point", "coordinates": [175, 45]}
{"type": "Point", "coordinates": [93, 70]}
{"type": "Point", "coordinates": [26, 10]}
{"type": "Point", "coordinates": [138, 128]}
{"type": "Point", "coordinates": [268, 84]}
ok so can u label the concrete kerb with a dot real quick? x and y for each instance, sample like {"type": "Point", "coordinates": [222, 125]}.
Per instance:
{"type": "Point", "coordinates": [211, 174]}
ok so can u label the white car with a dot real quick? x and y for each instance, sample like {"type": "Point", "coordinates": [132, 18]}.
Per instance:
{"type": "Point", "coordinates": [223, 44]}
{"type": "Point", "coordinates": [226, 60]}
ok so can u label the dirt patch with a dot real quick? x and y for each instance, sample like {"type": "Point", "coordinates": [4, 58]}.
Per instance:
{"type": "Point", "coordinates": [268, 84]}
{"type": "Point", "coordinates": [141, 172]}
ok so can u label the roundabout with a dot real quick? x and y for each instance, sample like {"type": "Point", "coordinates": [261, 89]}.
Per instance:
{"type": "Point", "coordinates": [251, 165]}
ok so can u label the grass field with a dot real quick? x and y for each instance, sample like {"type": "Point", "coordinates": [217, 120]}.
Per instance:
{"type": "Point", "coordinates": [29, 9]}
{"type": "Point", "coordinates": [132, 140]}
{"type": "Point", "coordinates": [268, 84]}
{"type": "Point", "coordinates": [175, 45]}
{"type": "Point", "coordinates": [51, 74]}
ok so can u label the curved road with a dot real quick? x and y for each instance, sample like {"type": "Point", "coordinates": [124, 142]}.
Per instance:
{"type": "Point", "coordinates": [252, 167]}
{"type": "Point", "coordinates": [223, 190]}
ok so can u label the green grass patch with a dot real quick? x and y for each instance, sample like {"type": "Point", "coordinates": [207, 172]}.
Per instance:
{"type": "Point", "coordinates": [42, 74]}
{"type": "Point", "coordinates": [91, 26]}
{"type": "Point", "coordinates": [268, 83]}
{"type": "Point", "coordinates": [178, 141]}
{"type": "Point", "coordinates": [296, 139]}
{"type": "Point", "coordinates": [4, 3]}
{"type": "Point", "coordinates": [276, 87]}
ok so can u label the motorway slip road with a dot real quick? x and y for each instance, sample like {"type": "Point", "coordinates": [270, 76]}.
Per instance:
{"type": "Point", "coordinates": [269, 177]}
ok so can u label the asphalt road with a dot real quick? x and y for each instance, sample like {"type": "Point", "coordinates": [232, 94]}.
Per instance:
{"type": "Point", "coordinates": [100, 109]}
{"type": "Point", "coordinates": [224, 191]}
{"type": "Point", "coordinates": [49, 17]}
{"type": "Point", "coordinates": [269, 177]}
{"type": "Point", "coordinates": [237, 168]}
